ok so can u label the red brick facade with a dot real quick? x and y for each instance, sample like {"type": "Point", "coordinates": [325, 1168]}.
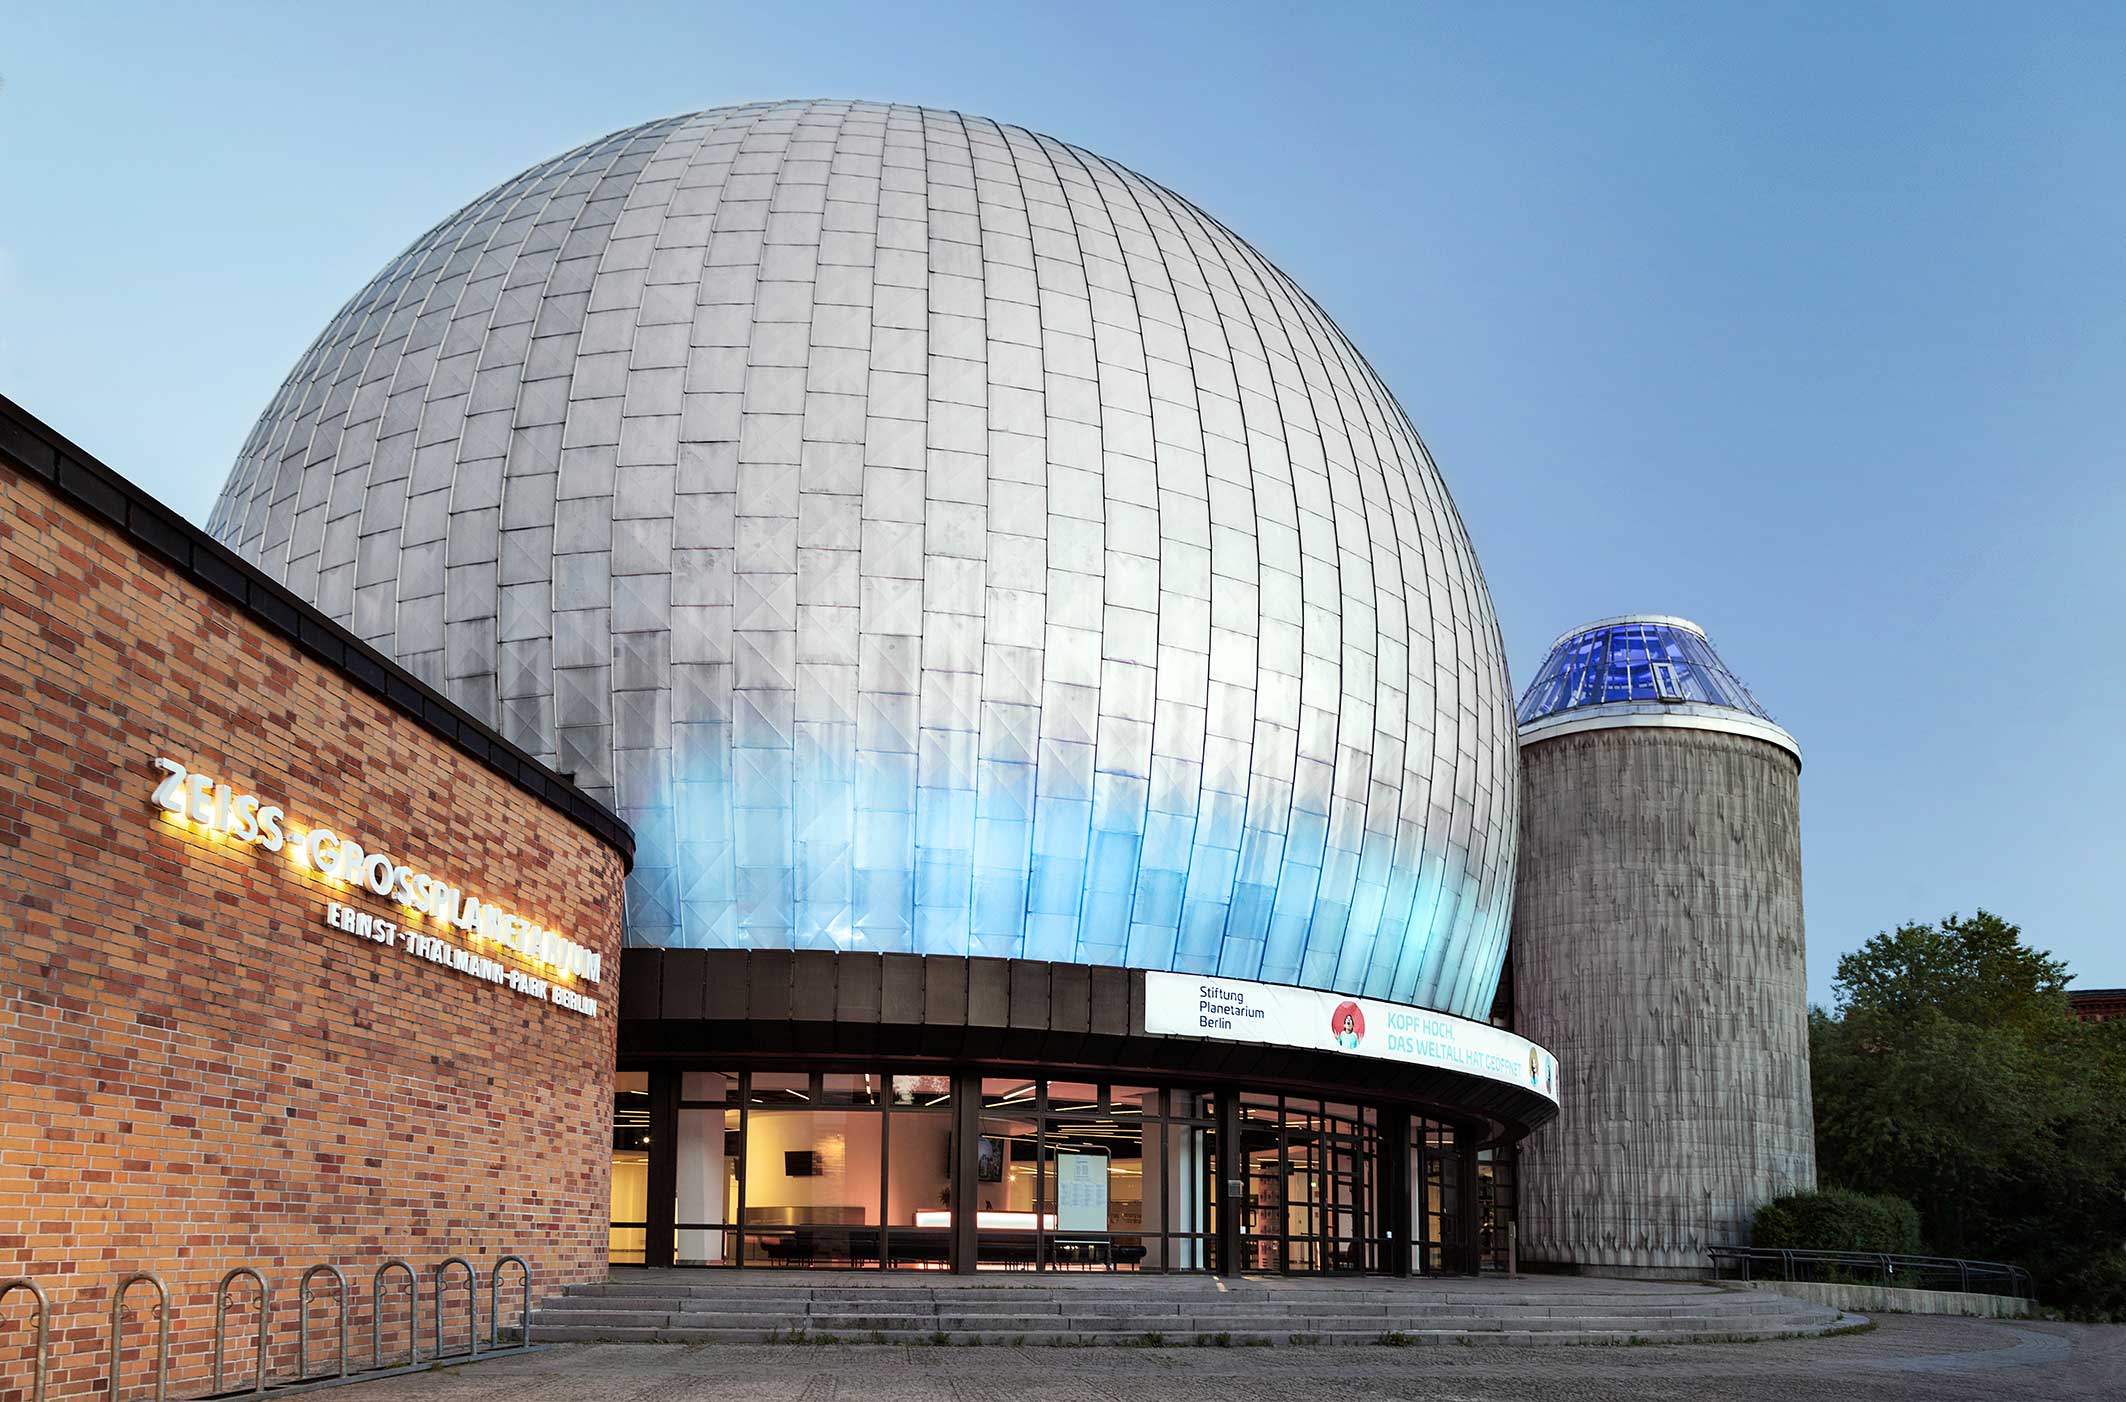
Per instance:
{"type": "Point", "coordinates": [196, 1071]}
{"type": "Point", "coordinates": [2097, 1004]}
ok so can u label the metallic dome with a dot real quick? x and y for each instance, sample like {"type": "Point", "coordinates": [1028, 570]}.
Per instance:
{"type": "Point", "coordinates": [931, 537]}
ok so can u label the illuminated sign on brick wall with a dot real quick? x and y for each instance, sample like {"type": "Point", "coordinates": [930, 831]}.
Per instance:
{"type": "Point", "coordinates": [200, 801]}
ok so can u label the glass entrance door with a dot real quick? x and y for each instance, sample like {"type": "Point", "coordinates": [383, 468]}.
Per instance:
{"type": "Point", "coordinates": [1312, 1193]}
{"type": "Point", "coordinates": [1346, 1152]}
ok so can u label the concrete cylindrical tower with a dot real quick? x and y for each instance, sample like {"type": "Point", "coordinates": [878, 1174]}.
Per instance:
{"type": "Point", "coordinates": [1657, 949]}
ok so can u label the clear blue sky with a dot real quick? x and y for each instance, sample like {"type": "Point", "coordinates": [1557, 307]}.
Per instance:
{"type": "Point", "coordinates": [1805, 322]}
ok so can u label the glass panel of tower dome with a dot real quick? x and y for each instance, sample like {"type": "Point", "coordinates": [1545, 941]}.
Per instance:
{"type": "Point", "coordinates": [1722, 687]}
{"type": "Point", "coordinates": [1627, 675]}
{"type": "Point", "coordinates": [1633, 660]}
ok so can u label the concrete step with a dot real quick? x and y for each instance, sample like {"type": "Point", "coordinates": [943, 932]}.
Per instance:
{"type": "Point", "coordinates": [1275, 1331]}
{"type": "Point", "coordinates": [1401, 1310]}
{"type": "Point", "coordinates": [674, 1304]}
{"type": "Point", "coordinates": [1122, 1296]}
{"type": "Point", "coordinates": [1126, 1310]}
{"type": "Point", "coordinates": [1142, 1338]}
{"type": "Point", "coordinates": [1267, 1323]}
{"type": "Point", "coordinates": [1071, 1282]}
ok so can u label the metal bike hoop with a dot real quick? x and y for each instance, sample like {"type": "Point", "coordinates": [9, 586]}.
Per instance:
{"type": "Point", "coordinates": [302, 1319]}
{"type": "Point", "coordinates": [472, 1305]}
{"type": "Point", "coordinates": [494, 1303]}
{"type": "Point", "coordinates": [265, 1323]}
{"type": "Point", "coordinates": [44, 1327]}
{"type": "Point", "coordinates": [162, 1333]}
{"type": "Point", "coordinates": [376, 1315]}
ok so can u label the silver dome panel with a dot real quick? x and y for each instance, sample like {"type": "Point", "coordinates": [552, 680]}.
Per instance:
{"type": "Point", "coordinates": [931, 537]}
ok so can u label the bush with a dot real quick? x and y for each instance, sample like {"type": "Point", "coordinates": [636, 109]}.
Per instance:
{"type": "Point", "coordinates": [1837, 1219]}
{"type": "Point", "coordinates": [2090, 1284]}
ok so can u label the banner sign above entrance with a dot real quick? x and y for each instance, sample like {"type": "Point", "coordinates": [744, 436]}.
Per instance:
{"type": "Point", "coordinates": [1235, 1010]}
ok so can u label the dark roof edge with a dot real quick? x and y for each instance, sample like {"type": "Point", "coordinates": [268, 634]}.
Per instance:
{"type": "Point", "coordinates": [38, 450]}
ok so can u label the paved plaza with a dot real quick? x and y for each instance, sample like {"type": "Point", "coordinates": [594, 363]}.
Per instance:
{"type": "Point", "coordinates": [1907, 1356]}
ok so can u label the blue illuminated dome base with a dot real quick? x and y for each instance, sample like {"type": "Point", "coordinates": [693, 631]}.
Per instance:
{"type": "Point", "coordinates": [1645, 670]}
{"type": "Point", "coordinates": [931, 537]}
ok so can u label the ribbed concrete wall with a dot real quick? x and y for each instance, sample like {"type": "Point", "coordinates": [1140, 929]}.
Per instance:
{"type": "Point", "coordinates": [1657, 946]}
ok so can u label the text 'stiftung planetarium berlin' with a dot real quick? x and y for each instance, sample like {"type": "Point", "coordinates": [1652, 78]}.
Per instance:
{"type": "Point", "coordinates": [1076, 807]}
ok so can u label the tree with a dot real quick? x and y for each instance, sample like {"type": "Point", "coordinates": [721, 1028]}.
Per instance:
{"type": "Point", "coordinates": [1950, 1073]}
{"type": "Point", "coordinates": [1975, 971]}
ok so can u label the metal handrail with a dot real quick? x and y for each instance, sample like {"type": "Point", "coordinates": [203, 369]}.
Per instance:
{"type": "Point", "coordinates": [472, 1305]}
{"type": "Point", "coordinates": [494, 1303]}
{"type": "Point", "coordinates": [376, 1313]}
{"type": "Point", "coordinates": [44, 1322]}
{"type": "Point", "coordinates": [162, 1340]}
{"type": "Point", "coordinates": [1969, 1275]}
{"type": "Point", "coordinates": [302, 1319]}
{"type": "Point", "coordinates": [265, 1320]}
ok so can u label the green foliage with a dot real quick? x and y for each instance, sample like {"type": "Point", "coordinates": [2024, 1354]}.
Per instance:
{"type": "Point", "coordinates": [1974, 971]}
{"type": "Point", "coordinates": [1952, 1075]}
{"type": "Point", "coordinates": [1838, 1219]}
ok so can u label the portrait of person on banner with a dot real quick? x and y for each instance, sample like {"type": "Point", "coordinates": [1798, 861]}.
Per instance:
{"type": "Point", "coordinates": [1347, 1025]}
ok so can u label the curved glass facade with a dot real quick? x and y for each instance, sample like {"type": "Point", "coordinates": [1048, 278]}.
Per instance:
{"type": "Point", "coordinates": [1634, 659]}
{"type": "Point", "coordinates": [855, 1170]}
{"type": "Point", "coordinates": [930, 537]}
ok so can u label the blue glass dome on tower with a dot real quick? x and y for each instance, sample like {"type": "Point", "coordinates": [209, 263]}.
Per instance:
{"type": "Point", "coordinates": [931, 537]}
{"type": "Point", "coordinates": [1644, 657]}
{"type": "Point", "coordinates": [1643, 667]}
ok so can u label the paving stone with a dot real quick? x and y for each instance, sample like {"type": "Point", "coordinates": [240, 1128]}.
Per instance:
{"type": "Point", "coordinates": [1906, 1359]}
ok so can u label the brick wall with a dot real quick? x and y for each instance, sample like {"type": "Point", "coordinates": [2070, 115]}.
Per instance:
{"type": "Point", "coordinates": [195, 1071]}
{"type": "Point", "coordinates": [2097, 1004]}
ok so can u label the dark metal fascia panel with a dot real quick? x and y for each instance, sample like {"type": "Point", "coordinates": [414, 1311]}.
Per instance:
{"type": "Point", "coordinates": [820, 1003]}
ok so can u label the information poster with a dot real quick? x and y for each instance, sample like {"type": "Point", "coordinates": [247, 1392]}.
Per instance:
{"type": "Point", "coordinates": [1081, 1192]}
{"type": "Point", "coordinates": [1235, 1010]}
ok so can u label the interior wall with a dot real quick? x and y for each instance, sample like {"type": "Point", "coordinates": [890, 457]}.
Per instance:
{"type": "Point", "coordinates": [844, 1191]}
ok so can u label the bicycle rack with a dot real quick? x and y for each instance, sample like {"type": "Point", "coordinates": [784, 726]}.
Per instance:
{"type": "Point", "coordinates": [494, 1304]}
{"type": "Point", "coordinates": [306, 1293]}
{"type": "Point", "coordinates": [376, 1315]}
{"type": "Point", "coordinates": [44, 1322]}
{"type": "Point", "coordinates": [302, 1320]}
{"type": "Point", "coordinates": [162, 1339]}
{"type": "Point", "coordinates": [221, 1319]}
{"type": "Point", "coordinates": [472, 1305]}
